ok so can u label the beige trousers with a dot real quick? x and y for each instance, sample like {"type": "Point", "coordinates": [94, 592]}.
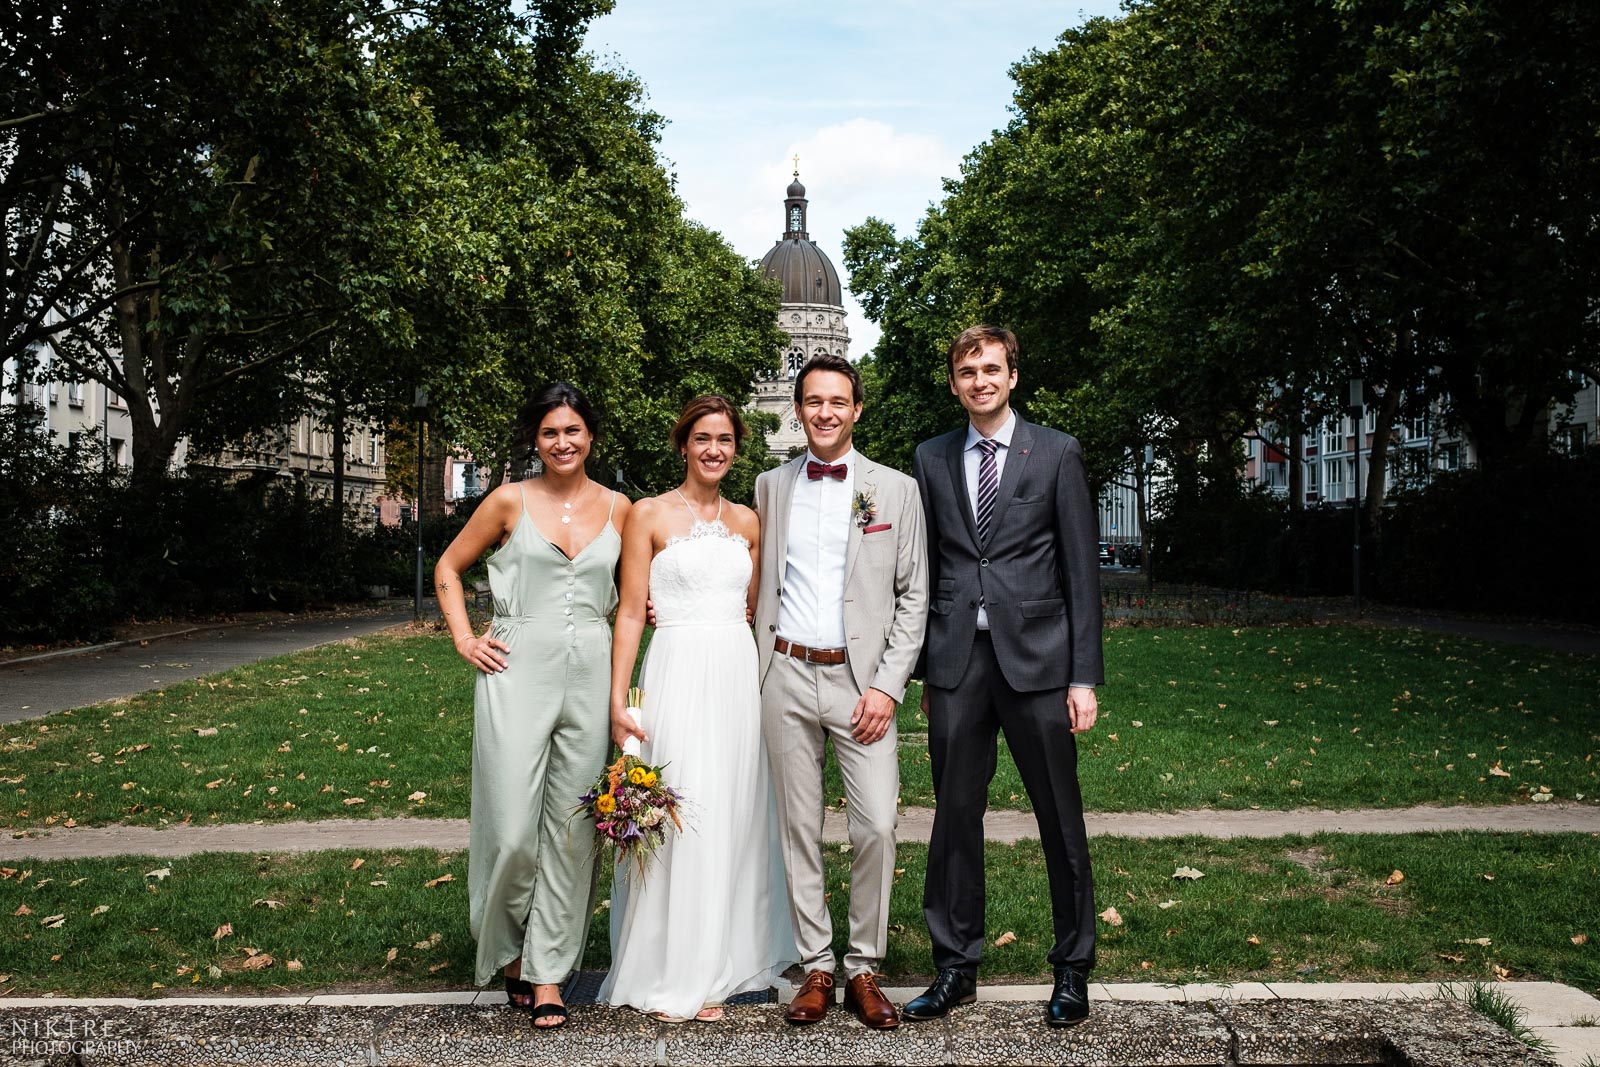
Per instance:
{"type": "Point", "coordinates": [802, 705]}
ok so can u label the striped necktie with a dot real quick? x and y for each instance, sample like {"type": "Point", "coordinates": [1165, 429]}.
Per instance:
{"type": "Point", "coordinates": [988, 485]}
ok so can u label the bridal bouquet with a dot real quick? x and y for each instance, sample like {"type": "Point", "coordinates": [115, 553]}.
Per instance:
{"type": "Point", "coordinates": [631, 805]}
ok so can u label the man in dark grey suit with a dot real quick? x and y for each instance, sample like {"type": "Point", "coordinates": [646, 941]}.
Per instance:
{"type": "Point", "coordinates": [1013, 644]}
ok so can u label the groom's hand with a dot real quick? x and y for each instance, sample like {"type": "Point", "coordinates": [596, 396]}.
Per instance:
{"type": "Point", "coordinates": [1082, 707]}
{"type": "Point", "coordinates": [874, 712]}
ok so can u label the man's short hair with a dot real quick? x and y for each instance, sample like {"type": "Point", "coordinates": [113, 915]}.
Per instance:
{"type": "Point", "coordinates": [828, 361]}
{"type": "Point", "coordinates": [974, 338]}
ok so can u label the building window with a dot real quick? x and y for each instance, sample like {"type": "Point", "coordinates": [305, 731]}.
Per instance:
{"type": "Point", "coordinates": [405, 513]}
{"type": "Point", "coordinates": [117, 445]}
{"type": "Point", "coordinates": [1576, 439]}
{"type": "Point", "coordinates": [1333, 479]}
{"type": "Point", "coordinates": [372, 448]}
{"type": "Point", "coordinates": [1312, 470]}
{"type": "Point", "coordinates": [1450, 456]}
{"type": "Point", "coordinates": [75, 394]}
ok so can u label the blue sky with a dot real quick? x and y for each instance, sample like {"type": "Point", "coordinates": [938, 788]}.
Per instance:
{"type": "Point", "coordinates": [879, 98]}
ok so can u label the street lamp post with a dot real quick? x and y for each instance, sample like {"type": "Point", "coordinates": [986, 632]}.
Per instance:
{"type": "Point", "coordinates": [419, 405]}
{"type": "Point", "coordinates": [1357, 398]}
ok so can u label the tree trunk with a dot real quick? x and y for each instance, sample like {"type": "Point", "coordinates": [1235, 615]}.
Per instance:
{"type": "Point", "coordinates": [1378, 461]}
{"type": "Point", "coordinates": [338, 454]}
{"type": "Point", "coordinates": [433, 467]}
{"type": "Point", "coordinates": [1297, 473]}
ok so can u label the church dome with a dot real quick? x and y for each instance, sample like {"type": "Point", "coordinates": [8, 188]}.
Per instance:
{"type": "Point", "coordinates": [804, 272]}
{"type": "Point", "coordinates": [796, 262]}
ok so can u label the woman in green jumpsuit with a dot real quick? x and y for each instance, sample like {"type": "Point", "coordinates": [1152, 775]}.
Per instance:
{"type": "Point", "coordinates": [541, 725]}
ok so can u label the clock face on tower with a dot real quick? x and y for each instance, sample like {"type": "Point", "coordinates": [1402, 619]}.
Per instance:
{"type": "Point", "coordinates": [794, 219]}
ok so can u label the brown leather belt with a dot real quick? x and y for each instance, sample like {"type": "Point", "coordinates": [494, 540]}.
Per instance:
{"type": "Point", "coordinates": [810, 655]}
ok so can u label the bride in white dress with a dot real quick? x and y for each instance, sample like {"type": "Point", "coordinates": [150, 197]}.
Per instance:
{"type": "Point", "coordinates": [709, 916]}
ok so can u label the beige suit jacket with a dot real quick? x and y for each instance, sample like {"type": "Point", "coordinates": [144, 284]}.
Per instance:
{"type": "Point", "coordinates": [886, 574]}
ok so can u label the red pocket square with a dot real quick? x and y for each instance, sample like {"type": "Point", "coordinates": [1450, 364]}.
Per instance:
{"type": "Point", "coordinates": [879, 528]}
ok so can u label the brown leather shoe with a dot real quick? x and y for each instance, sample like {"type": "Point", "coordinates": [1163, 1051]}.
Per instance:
{"type": "Point", "coordinates": [862, 996]}
{"type": "Point", "coordinates": [811, 1003]}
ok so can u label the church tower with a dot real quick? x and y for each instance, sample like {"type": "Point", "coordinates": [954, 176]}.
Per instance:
{"type": "Point", "coordinates": [810, 311]}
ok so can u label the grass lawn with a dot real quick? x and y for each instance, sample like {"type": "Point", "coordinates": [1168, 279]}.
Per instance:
{"type": "Point", "coordinates": [1290, 909]}
{"type": "Point", "coordinates": [1202, 717]}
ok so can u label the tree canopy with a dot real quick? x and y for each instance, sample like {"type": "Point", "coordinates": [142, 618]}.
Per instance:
{"type": "Point", "coordinates": [1206, 215]}
{"type": "Point", "coordinates": [334, 203]}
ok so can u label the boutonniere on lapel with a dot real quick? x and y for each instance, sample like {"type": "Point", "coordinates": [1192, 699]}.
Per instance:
{"type": "Point", "coordinates": [865, 507]}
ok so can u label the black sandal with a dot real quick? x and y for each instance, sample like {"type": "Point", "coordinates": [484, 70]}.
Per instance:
{"type": "Point", "coordinates": [549, 1011]}
{"type": "Point", "coordinates": [516, 987]}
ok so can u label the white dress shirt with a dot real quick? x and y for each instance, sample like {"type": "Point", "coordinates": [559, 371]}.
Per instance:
{"type": "Point", "coordinates": [971, 457]}
{"type": "Point", "coordinates": [811, 609]}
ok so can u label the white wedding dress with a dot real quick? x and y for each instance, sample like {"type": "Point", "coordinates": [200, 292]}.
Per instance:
{"type": "Point", "coordinates": [709, 917]}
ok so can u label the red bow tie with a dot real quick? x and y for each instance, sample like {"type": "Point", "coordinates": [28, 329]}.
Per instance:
{"type": "Point", "coordinates": [815, 470]}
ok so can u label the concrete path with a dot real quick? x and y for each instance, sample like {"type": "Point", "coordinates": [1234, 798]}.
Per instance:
{"type": "Point", "coordinates": [916, 824]}
{"type": "Point", "coordinates": [1574, 639]}
{"type": "Point", "coordinates": [41, 685]}
{"type": "Point", "coordinates": [1248, 1023]}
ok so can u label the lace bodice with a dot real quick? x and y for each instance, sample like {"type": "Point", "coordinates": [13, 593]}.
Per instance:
{"type": "Point", "coordinates": [701, 577]}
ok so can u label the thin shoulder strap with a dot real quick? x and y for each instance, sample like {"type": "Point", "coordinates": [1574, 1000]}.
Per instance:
{"type": "Point", "coordinates": [692, 516]}
{"type": "Point", "coordinates": [719, 508]}
{"type": "Point", "coordinates": [613, 509]}
{"type": "Point", "coordinates": [522, 490]}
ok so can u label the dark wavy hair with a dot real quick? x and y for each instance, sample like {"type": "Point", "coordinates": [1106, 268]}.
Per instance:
{"type": "Point", "coordinates": [699, 408]}
{"type": "Point", "coordinates": [828, 361]}
{"type": "Point", "coordinates": [553, 396]}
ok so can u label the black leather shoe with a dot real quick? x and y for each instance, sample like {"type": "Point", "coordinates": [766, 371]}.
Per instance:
{"type": "Point", "coordinates": [952, 987]}
{"type": "Point", "coordinates": [1069, 1003]}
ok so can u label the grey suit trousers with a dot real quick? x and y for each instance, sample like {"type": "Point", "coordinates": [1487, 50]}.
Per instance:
{"type": "Point", "coordinates": [802, 705]}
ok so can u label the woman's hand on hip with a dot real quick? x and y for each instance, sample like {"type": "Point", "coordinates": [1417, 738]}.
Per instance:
{"type": "Point", "coordinates": [486, 653]}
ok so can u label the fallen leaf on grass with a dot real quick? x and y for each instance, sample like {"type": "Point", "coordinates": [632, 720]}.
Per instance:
{"type": "Point", "coordinates": [418, 795]}
{"type": "Point", "coordinates": [1136, 723]}
{"type": "Point", "coordinates": [259, 962]}
{"type": "Point", "coordinates": [1501, 974]}
{"type": "Point", "coordinates": [1540, 797]}
{"type": "Point", "coordinates": [205, 731]}
{"type": "Point", "coordinates": [388, 957]}
{"type": "Point", "coordinates": [1270, 722]}
{"type": "Point", "coordinates": [1253, 940]}
{"type": "Point", "coordinates": [441, 965]}
{"type": "Point", "coordinates": [379, 882]}
{"type": "Point", "coordinates": [1004, 939]}
{"type": "Point", "coordinates": [1497, 771]}
{"type": "Point", "coordinates": [214, 971]}
{"type": "Point", "coordinates": [159, 874]}
{"type": "Point", "coordinates": [1450, 958]}
{"type": "Point", "coordinates": [354, 800]}
{"type": "Point", "coordinates": [1487, 876]}
{"type": "Point", "coordinates": [53, 922]}
{"type": "Point", "coordinates": [263, 902]}
{"type": "Point", "coordinates": [23, 909]}
{"type": "Point", "coordinates": [1111, 917]}
{"type": "Point", "coordinates": [439, 880]}
{"type": "Point", "coordinates": [1395, 878]}
{"type": "Point", "coordinates": [355, 864]}
{"type": "Point", "coordinates": [101, 909]}
{"type": "Point", "coordinates": [294, 965]}
{"type": "Point", "coordinates": [1165, 904]}
{"type": "Point", "coordinates": [225, 930]}
{"type": "Point", "coordinates": [1579, 939]}
{"type": "Point", "coordinates": [1484, 941]}
{"type": "Point", "coordinates": [1188, 872]}
{"type": "Point", "coordinates": [209, 785]}
{"type": "Point", "coordinates": [431, 942]}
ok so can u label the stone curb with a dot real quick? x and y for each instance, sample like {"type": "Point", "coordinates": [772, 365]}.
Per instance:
{"type": "Point", "coordinates": [915, 827]}
{"type": "Point", "coordinates": [1422, 1033]}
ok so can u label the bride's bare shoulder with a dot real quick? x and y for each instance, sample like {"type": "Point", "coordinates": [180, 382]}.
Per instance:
{"type": "Point", "coordinates": [742, 521]}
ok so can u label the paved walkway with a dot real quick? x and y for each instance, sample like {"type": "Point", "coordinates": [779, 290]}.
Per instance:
{"type": "Point", "coordinates": [38, 686]}
{"type": "Point", "coordinates": [1575, 639]}
{"type": "Point", "coordinates": [1130, 1023]}
{"type": "Point", "coordinates": [915, 826]}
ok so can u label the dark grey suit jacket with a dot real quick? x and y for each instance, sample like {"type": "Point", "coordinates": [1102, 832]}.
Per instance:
{"type": "Point", "coordinates": [1038, 572]}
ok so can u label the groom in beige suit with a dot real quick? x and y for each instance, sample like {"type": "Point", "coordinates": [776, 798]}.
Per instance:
{"type": "Point", "coordinates": [839, 622]}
